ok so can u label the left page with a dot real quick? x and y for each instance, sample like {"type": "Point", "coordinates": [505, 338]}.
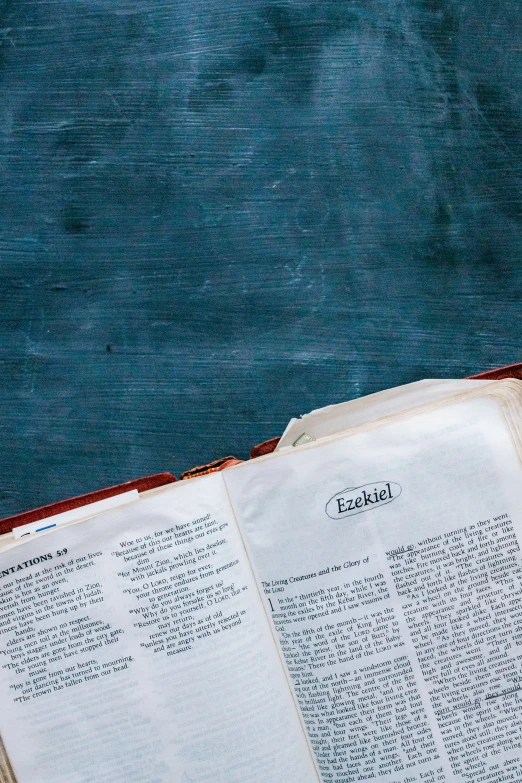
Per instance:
{"type": "Point", "coordinates": [134, 648]}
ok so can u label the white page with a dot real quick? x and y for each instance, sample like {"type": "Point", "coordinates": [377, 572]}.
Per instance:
{"type": "Point", "coordinates": [134, 648]}
{"type": "Point", "coordinates": [335, 418]}
{"type": "Point", "coordinates": [402, 622]}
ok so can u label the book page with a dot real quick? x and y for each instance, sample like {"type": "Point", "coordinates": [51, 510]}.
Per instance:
{"type": "Point", "coordinates": [134, 648]}
{"type": "Point", "coordinates": [333, 419]}
{"type": "Point", "coordinates": [390, 561]}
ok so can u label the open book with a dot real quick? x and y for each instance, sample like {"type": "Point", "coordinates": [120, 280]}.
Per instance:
{"type": "Point", "coordinates": [347, 609]}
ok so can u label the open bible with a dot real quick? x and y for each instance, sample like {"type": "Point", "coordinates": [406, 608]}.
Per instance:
{"type": "Point", "coordinates": [348, 608]}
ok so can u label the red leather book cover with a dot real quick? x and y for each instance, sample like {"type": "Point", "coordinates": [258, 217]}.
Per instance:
{"type": "Point", "coordinates": [509, 371]}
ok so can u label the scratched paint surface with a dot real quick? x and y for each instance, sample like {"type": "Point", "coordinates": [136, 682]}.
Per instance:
{"type": "Point", "coordinates": [214, 216]}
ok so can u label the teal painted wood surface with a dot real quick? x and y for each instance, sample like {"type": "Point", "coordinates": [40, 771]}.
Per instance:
{"type": "Point", "coordinates": [215, 216]}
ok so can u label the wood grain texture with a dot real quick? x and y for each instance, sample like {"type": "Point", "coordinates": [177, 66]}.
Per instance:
{"type": "Point", "coordinates": [215, 216]}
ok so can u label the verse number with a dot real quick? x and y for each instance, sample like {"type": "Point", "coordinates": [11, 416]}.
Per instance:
{"type": "Point", "coordinates": [61, 552]}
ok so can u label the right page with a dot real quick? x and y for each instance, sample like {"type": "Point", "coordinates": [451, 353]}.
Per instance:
{"type": "Point", "coordinates": [390, 563]}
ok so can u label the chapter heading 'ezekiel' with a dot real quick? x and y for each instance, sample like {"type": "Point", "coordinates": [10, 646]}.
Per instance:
{"type": "Point", "coordinates": [355, 500]}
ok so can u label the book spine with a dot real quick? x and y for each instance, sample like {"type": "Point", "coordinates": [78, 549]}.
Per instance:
{"type": "Point", "coordinates": [6, 771]}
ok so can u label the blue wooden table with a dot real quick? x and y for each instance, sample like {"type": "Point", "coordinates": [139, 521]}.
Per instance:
{"type": "Point", "coordinates": [215, 216]}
